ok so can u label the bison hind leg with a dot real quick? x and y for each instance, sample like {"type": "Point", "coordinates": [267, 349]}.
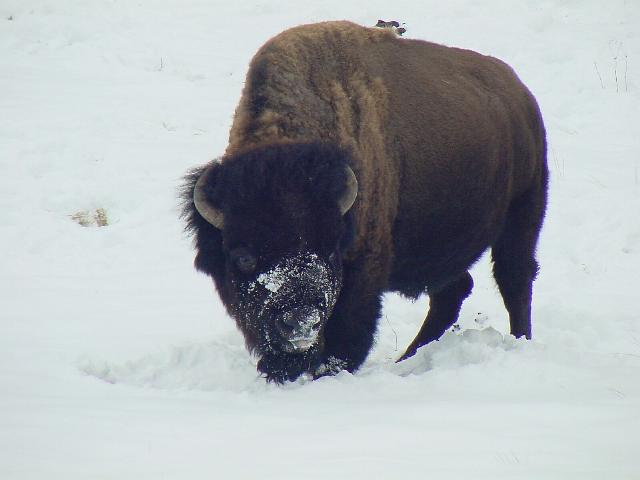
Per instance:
{"type": "Point", "coordinates": [514, 264]}
{"type": "Point", "coordinates": [444, 307]}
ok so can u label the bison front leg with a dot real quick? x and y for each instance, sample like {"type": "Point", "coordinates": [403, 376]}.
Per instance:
{"type": "Point", "coordinates": [350, 331]}
{"type": "Point", "coordinates": [444, 307]}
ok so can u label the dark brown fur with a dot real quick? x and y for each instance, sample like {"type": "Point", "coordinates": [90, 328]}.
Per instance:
{"type": "Point", "coordinates": [449, 150]}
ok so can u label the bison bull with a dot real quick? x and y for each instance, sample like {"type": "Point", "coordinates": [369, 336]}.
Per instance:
{"type": "Point", "coordinates": [360, 163]}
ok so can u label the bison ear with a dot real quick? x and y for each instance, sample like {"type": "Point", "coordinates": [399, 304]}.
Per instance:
{"type": "Point", "coordinates": [210, 213]}
{"type": "Point", "coordinates": [350, 192]}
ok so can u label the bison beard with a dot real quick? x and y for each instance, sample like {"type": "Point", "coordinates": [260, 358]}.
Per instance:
{"type": "Point", "coordinates": [282, 367]}
{"type": "Point", "coordinates": [360, 163]}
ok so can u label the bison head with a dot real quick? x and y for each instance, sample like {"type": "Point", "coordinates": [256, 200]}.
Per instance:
{"type": "Point", "coordinates": [271, 228]}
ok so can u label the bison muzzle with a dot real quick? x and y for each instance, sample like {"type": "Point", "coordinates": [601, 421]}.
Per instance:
{"type": "Point", "coordinates": [360, 163]}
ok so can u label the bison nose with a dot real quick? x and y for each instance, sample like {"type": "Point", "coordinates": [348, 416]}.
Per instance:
{"type": "Point", "coordinates": [300, 326]}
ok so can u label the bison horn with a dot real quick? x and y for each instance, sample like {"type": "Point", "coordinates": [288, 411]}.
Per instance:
{"type": "Point", "coordinates": [208, 212]}
{"type": "Point", "coordinates": [351, 192]}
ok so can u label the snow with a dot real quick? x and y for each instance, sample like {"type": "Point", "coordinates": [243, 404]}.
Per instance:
{"type": "Point", "coordinates": [304, 265]}
{"type": "Point", "coordinates": [117, 360]}
{"type": "Point", "coordinates": [272, 280]}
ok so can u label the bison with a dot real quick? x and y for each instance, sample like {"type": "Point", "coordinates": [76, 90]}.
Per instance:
{"type": "Point", "coordinates": [360, 163]}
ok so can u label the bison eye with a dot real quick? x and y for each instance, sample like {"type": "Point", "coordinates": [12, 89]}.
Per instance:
{"type": "Point", "coordinates": [243, 260]}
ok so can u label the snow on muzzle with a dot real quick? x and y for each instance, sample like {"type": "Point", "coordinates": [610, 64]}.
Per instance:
{"type": "Point", "coordinates": [300, 327]}
{"type": "Point", "coordinates": [301, 293]}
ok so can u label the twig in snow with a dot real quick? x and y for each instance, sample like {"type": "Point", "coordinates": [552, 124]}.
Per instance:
{"type": "Point", "coordinates": [558, 164]}
{"type": "Point", "coordinates": [394, 332]}
{"type": "Point", "coordinates": [616, 48]}
{"type": "Point", "coordinates": [599, 76]}
{"type": "Point", "coordinates": [626, 67]}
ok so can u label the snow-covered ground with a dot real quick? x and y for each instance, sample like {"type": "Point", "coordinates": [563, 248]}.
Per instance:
{"type": "Point", "coordinates": [117, 360]}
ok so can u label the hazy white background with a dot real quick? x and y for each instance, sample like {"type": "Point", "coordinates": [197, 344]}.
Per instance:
{"type": "Point", "coordinates": [116, 358]}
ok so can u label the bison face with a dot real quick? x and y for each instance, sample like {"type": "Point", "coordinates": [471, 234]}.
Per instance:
{"type": "Point", "coordinates": [271, 227]}
{"type": "Point", "coordinates": [283, 309]}
{"type": "Point", "coordinates": [293, 301]}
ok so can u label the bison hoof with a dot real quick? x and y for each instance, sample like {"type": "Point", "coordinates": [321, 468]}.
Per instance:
{"type": "Point", "coordinates": [331, 366]}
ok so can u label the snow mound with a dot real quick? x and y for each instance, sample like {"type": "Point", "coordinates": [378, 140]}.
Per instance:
{"type": "Point", "coordinates": [453, 350]}
{"type": "Point", "coordinates": [210, 366]}
{"type": "Point", "coordinates": [220, 365]}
